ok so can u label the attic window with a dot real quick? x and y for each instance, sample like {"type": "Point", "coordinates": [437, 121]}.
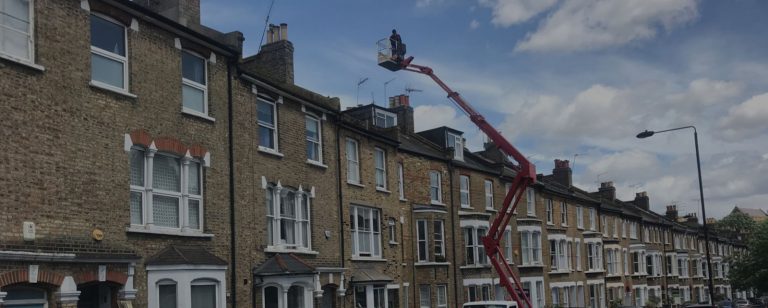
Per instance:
{"type": "Point", "coordinates": [384, 119]}
{"type": "Point", "coordinates": [457, 143]}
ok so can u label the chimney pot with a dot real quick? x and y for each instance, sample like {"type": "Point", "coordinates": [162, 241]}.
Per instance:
{"type": "Point", "coordinates": [283, 31]}
{"type": "Point", "coordinates": [608, 184]}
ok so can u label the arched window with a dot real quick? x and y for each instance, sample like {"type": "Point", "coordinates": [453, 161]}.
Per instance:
{"type": "Point", "coordinates": [204, 293]}
{"type": "Point", "coordinates": [271, 297]}
{"type": "Point", "coordinates": [296, 297]}
{"type": "Point", "coordinates": [167, 294]}
{"type": "Point", "coordinates": [25, 297]}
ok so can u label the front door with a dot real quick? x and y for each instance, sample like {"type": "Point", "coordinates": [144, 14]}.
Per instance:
{"type": "Point", "coordinates": [97, 295]}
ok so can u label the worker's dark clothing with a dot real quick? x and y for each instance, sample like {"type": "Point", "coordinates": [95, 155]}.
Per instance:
{"type": "Point", "coordinates": [397, 45]}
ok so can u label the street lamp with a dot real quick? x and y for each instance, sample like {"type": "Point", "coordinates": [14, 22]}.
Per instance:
{"type": "Point", "coordinates": [648, 133]}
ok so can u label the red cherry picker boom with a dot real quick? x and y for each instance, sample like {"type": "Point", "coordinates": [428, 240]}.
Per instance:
{"type": "Point", "coordinates": [393, 60]}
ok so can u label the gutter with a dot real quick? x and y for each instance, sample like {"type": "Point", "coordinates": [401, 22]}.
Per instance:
{"type": "Point", "coordinates": [285, 93]}
{"type": "Point", "coordinates": [341, 201]}
{"type": "Point", "coordinates": [453, 237]}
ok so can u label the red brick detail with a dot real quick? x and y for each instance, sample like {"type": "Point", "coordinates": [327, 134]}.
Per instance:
{"type": "Point", "coordinates": [141, 137]}
{"type": "Point", "coordinates": [22, 276]}
{"type": "Point", "coordinates": [197, 151]}
{"type": "Point", "coordinates": [170, 145]}
{"type": "Point", "coordinates": [112, 276]}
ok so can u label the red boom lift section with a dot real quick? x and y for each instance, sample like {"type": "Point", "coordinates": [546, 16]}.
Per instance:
{"type": "Point", "coordinates": [526, 173]}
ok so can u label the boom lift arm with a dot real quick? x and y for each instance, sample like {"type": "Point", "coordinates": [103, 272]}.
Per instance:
{"type": "Point", "coordinates": [526, 176]}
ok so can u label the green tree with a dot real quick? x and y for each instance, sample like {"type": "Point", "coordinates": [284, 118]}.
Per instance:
{"type": "Point", "coordinates": [750, 269]}
{"type": "Point", "coordinates": [736, 223]}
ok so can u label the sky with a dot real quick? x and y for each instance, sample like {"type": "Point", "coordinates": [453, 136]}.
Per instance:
{"type": "Point", "coordinates": [574, 80]}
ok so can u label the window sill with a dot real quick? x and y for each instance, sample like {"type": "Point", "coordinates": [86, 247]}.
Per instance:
{"type": "Point", "coordinates": [491, 210]}
{"type": "Point", "coordinates": [560, 272]}
{"type": "Point", "coordinates": [317, 164]}
{"type": "Point", "coordinates": [403, 200]}
{"type": "Point", "coordinates": [269, 151]}
{"type": "Point", "coordinates": [530, 266]}
{"type": "Point", "coordinates": [594, 271]}
{"type": "Point", "coordinates": [163, 231]}
{"type": "Point", "coordinates": [423, 263]}
{"type": "Point", "coordinates": [433, 202]}
{"type": "Point", "coordinates": [197, 114]}
{"type": "Point", "coordinates": [22, 62]}
{"type": "Point", "coordinates": [475, 266]}
{"type": "Point", "coordinates": [368, 259]}
{"type": "Point", "coordinates": [356, 184]}
{"type": "Point", "coordinates": [278, 249]}
{"type": "Point", "coordinates": [393, 243]}
{"type": "Point", "coordinates": [383, 190]}
{"type": "Point", "coordinates": [99, 85]}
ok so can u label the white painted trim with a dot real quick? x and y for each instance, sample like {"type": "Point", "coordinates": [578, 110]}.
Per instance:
{"type": "Point", "coordinates": [85, 5]}
{"type": "Point", "coordinates": [184, 276]}
{"type": "Point", "coordinates": [177, 43]}
{"type": "Point", "coordinates": [595, 281]}
{"type": "Point", "coordinates": [478, 281]}
{"type": "Point", "coordinates": [593, 240]}
{"type": "Point", "coordinates": [529, 228]}
{"type": "Point", "coordinates": [134, 24]}
{"type": "Point", "coordinates": [558, 237]}
{"type": "Point", "coordinates": [474, 223]}
{"type": "Point", "coordinates": [23, 62]}
{"type": "Point", "coordinates": [564, 284]}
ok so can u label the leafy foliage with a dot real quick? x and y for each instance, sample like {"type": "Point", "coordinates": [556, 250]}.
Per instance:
{"type": "Point", "coordinates": [750, 269]}
{"type": "Point", "coordinates": [736, 223]}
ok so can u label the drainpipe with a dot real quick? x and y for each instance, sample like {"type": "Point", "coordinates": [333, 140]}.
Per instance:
{"type": "Point", "coordinates": [231, 153]}
{"type": "Point", "coordinates": [341, 200]}
{"type": "Point", "coordinates": [453, 237]}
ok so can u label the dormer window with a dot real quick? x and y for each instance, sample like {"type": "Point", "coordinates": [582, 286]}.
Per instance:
{"type": "Point", "coordinates": [457, 143]}
{"type": "Point", "coordinates": [384, 119]}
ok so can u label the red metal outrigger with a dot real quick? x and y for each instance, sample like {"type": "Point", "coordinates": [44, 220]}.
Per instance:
{"type": "Point", "coordinates": [526, 174]}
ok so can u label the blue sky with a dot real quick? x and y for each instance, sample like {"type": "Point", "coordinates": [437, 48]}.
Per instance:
{"type": "Point", "coordinates": [561, 79]}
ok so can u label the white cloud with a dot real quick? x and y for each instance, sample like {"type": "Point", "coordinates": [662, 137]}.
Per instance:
{"type": "Point", "coordinates": [706, 92]}
{"type": "Point", "coordinates": [511, 12]}
{"type": "Point", "coordinates": [474, 24]}
{"type": "Point", "coordinates": [580, 25]}
{"type": "Point", "coordinates": [746, 120]}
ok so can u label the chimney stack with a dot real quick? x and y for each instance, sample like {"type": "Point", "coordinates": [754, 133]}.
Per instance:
{"type": "Point", "coordinates": [562, 173]}
{"type": "Point", "coordinates": [185, 12]}
{"type": "Point", "coordinates": [401, 105]}
{"type": "Point", "coordinates": [691, 219]}
{"type": "Point", "coordinates": [607, 190]}
{"type": "Point", "coordinates": [275, 59]}
{"type": "Point", "coordinates": [672, 212]}
{"type": "Point", "coordinates": [642, 200]}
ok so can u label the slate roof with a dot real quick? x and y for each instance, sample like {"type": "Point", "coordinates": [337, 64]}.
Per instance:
{"type": "Point", "coordinates": [416, 144]}
{"type": "Point", "coordinates": [751, 212]}
{"type": "Point", "coordinates": [284, 264]}
{"type": "Point", "coordinates": [191, 255]}
{"type": "Point", "coordinates": [364, 275]}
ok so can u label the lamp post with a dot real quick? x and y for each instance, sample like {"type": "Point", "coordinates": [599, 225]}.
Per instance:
{"type": "Point", "coordinates": [648, 133]}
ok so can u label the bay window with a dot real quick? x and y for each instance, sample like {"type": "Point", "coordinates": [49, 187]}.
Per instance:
{"type": "Point", "coordinates": [474, 249]}
{"type": "Point", "coordinates": [530, 242]}
{"type": "Point", "coordinates": [288, 219]}
{"type": "Point", "coordinates": [166, 191]}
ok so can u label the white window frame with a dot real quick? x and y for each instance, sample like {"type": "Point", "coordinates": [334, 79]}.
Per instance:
{"type": "Point", "coordinates": [579, 217]}
{"type": "Point", "coordinates": [184, 277]}
{"type": "Point", "coordinates": [438, 237]}
{"type": "Point", "coordinates": [592, 219]}
{"type": "Point", "coordinates": [206, 282]}
{"type": "Point", "coordinates": [113, 56]}
{"type": "Point", "coordinates": [23, 302]}
{"type": "Point", "coordinates": [400, 181]}
{"type": "Point", "coordinates": [275, 244]}
{"type": "Point", "coordinates": [30, 60]}
{"type": "Point", "coordinates": [531, 252]}
{"type": "Point", "coordinates": [464, 181]}
{"type": "Point", "coordinates": [420, 240]}
{"type": "Point", "coordinates": [458, 141]}
{"type": "Point", "coordinates": [439, 199]}
{"type": "Point", "coordinates": [380, 170]}
{"type": "Point", "coordinates": [374, 236]}
{"type": "Point", "coordinates": [392, 225]}
{"type": "Point", "coordinates": [183, 195]}
{"type": "Point", "coordinates": [488, 194]}
{"type": "Point", "coordinates": [318, 142]}
{"type": "Point", "coordinates": [530, 201]}
{"type": "Point", "coordinates": [472, 236]}
{"type": "Point", "coordinates": [442, 296]}
{"type": "Point", "coordinates": [508, 246]}
{"type": "Point", "coordinates": [550, 211]}
{"type": "Point", "coordinates": [353, 165]}
{"type": "Point", "coordinates": [633, 230]}
{"type": "Point", "coordinates": [273, 127]}
{"type": "Point", "coordinates": [425, 296]}
{"type": "Point", "coordinates": [578, 254]}
{"type": "Point", "coordinates": [563, 214]}
{"type": "Point", "coordinates": [615, 227]}
{"type": "Point", "coordinates": [381, 114]}
{"type": "Point", "coordinates": [194, 84]}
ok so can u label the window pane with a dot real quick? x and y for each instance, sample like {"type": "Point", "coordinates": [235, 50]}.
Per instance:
{"type": "Point", "coordinates": [165, 211]}
{"type": "Point", "coordinates": [24, 294]}
{"type": "Point", "coordinates": [266, 113]}
{"type": "Point", "coordinates": [194, 214]}
{"type": "Point", "coordinates": [166, 173]}
{"type": "Point", "coordinates": [193, 98]}
{"type": "Point", "coordinates": [266, 137]}
{"type": "Point", "coordinates": [137, 167]}
{"type": "Point", "coordinates": [271, 297]}
{"type": "Point", "coordinates": [136, 208]}
{"type": "Point", "coordinates": [167, 295]}
{"type": "Point", "coordinates": [204, 296]}
{"type": "Point", "coordinates": [295, 297]}
{"type": "Point", "coordinates": [193, 67]}
{"type": "Point", "coordinates": [14, 43]}
{"type": "Point", "coordinates": [194, 178]}
{"type": "Point", "coordinates": [107, 71]}
{"type": "Point", "coordinates": [312, 128]}
{"type": "Point", "coordinates": [107, 35]}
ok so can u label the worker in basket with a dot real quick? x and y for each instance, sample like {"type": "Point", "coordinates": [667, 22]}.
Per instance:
{"type": "Point", "coordinates": [398, 48]}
